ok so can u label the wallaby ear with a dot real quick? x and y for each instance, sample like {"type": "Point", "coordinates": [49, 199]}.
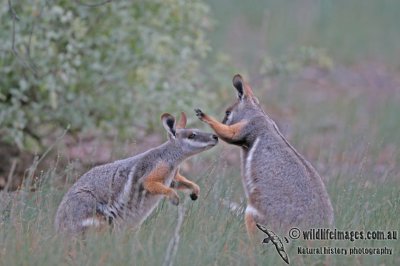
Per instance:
{"type": "Point", "coordinates": [238, 84]}
{"type": "Point", "coordinates": [169, 124]}
{"type": "Point", "coordinates": [243, 89]}
{"type": "Point", "coordinates": [182, 121]}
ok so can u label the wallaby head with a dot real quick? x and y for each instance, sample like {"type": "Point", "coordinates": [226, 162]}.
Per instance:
{"type": "Point", "coordinates": [190, 141]}
{"type": "Point", "coordinates": [245, 106]}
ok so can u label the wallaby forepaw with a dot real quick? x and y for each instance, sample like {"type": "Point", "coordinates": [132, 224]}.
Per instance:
{"type": "Point", "coordinates": [193, 196]}
{"type": "Point", "coordinates": [199, 113]}
{"type": "Point", "coordinates": [195, 192]}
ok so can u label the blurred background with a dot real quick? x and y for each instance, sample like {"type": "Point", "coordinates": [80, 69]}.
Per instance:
{"type": "Point", "coordinates": [84, 83]}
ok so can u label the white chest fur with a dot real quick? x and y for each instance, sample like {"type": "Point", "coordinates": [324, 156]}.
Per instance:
{"type": "Point", "coordinates": [248, 182]}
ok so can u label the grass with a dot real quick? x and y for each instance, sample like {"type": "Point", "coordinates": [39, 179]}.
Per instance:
{"type": "Point", "coordinates": [365, 197]}
{"type": "Point", "coordinates": [351, 30]}
{"type": "Point", "coordinates": [350, 133]}
{"type": "Point", "coordinates": [210, 235]}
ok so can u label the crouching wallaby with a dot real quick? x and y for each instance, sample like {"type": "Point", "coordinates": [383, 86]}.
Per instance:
{"type": "Point", "coordinates": [126, 191]}
{"type": "Point", "coordinates": [282, 189]}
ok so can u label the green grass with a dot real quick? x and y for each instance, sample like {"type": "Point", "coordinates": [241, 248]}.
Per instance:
{"type": "Point", "coordinates": [352, 141]}
{"type": "Point", "coordinates": [210, 235]}
{"type": "Point", "coordinates": [348, 132]}
{"type": "Point", "coordinates": [351, 30]}
{"type": "Point", "coordinates": [363, 199]}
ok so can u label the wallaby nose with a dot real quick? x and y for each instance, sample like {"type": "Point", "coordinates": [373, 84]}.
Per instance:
{"type": "Point", "coordinates": [214, 136]}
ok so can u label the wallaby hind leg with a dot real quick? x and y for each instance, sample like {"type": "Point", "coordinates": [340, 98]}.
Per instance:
{"type": "Point", "coordinates": [79, 213]}
{"type": "Point", "coordinates": [250, 225]}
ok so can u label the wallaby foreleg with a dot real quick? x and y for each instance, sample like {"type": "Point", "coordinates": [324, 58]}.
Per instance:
{"type": "Point", "coordinates": [182, 183]}
{"type": "Point", "coordinates": [231, 133]}
{"type": "Point", "coordinates": [154, 183]}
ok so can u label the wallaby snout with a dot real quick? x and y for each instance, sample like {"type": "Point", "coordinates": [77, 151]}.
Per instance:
{"type": "Point", "coordinates": [213, 140]}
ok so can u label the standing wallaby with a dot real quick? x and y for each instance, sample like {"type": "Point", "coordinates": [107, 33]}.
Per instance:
{"type": "Point", "coordinates": [126, 191]}
{"type": "Point", "coordinates": [282, 189]}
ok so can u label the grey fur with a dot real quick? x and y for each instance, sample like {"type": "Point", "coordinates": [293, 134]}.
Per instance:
{"type": "Point", "coordinates": [115, 192]}
{"type": "Point", "coordinates": [283, 190]}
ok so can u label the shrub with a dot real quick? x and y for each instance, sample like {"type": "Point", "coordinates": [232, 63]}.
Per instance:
{"type": "Point", "coordinates": [112, 66]}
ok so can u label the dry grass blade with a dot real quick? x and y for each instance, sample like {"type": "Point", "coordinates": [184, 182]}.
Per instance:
{"type": "Point", "coordinates": [174, 242]}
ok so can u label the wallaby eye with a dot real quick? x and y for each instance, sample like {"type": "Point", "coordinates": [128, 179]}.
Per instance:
{"type": "Point", "coordinates": [228, 113]}
{"type": "Point", "coordinates": [191, 136]}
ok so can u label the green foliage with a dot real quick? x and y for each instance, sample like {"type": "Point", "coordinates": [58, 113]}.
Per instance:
{"type": "Point", "coordinates": [113, 66]}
